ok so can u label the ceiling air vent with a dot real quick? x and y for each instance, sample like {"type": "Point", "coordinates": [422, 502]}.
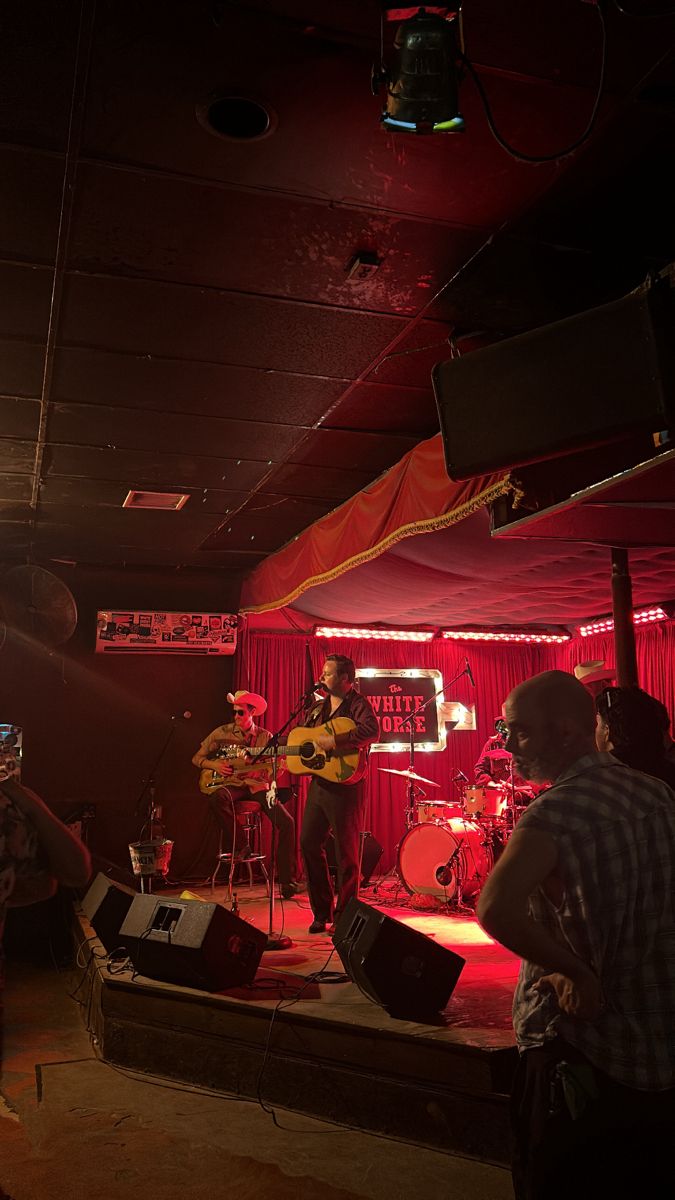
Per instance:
{"type": "Point", "coordinates": [169, 501]}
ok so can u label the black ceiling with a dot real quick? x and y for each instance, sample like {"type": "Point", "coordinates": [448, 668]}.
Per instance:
{"type": "Point", "coordinates": [176, 311]}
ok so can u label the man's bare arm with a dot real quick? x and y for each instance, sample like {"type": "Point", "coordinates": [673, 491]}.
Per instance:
{"type": "Point", "coordinates": [528, 860]}
{"type": "Point", "coordinates": [31, 889]}
{"type": "Point", "coordinates": [68, 860]}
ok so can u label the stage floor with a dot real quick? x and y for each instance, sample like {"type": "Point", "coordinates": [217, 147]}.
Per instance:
{"type": "Point", "coordinates": [320, 1046]}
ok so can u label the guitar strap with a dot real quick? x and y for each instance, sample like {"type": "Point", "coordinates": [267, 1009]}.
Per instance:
{"type": "Point", "coordinates": [314, 713]}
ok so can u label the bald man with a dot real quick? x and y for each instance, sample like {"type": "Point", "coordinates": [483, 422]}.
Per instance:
{"type": "Point", "coordinates": [584, 894]}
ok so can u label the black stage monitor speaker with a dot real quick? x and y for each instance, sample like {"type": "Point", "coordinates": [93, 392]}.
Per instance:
{"type": "Point", "coordinates": [403, 970]}
{"type": "Point", "coordinates": [191, 942]}
{"type": "Point", "coordinates": [105, 906]}
{"type": "Point", "coordinates": [372, 853]}
{"type": "Point", "coordinates": [583, 382]}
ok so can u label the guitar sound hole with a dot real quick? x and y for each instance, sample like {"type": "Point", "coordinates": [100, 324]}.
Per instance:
{"type": "Point", "coordinates": [311, 757]}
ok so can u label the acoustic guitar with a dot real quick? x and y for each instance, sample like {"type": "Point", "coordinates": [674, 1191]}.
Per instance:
{"type": "Point", "coordinates": [301, 756]}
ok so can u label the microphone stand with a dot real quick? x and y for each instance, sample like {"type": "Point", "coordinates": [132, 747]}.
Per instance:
{"type": "Point", "coordinates": [409, 721]}
{"type": "Point", "coordinates": [153, 815]}
{"type": "Point", "coordinates": [275, 941]}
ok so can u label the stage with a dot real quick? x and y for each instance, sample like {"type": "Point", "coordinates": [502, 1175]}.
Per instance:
{"type": "Point", "coordinates": [321, 1047]}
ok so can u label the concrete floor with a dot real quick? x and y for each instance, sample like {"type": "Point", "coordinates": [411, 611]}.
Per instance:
{"type": "Point", "coordinates": [72, 1127]}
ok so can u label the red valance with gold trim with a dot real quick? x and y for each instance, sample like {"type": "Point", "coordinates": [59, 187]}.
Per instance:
{"type": "Point", "coordinates": [414, 496]}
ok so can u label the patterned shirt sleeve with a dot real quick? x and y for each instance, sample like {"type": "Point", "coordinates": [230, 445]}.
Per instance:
{"type": "Point", "coordinates": [19, 855]}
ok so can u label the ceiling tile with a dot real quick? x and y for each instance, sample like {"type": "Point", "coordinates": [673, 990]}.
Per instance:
{"type": "Point", "coordinates": [19, 418]}
{"type": "Point", "coordinates": [21, 367]}
{"type": "Point", "coordinates": [15, 489]}
{"type": "Point", "coordinates": [407, 411]}
{"type": "Point", "coordinates": [136, 316]}
{"type": "Point", "coordinates": [143, 468]}
{"type": "Point", "coordinates": [207, 389]}
{"type": "Point", "coordinates": [322, 483]}
{"type": "Point", "coordinates": [126, 224]}
{"type": "Point", "coordinates": [267, 523]}
{"type": "Point", "coordinates": [32, 183]}
{"type": "Point", "coordinates": [129, 429]}
{"type": "Point", "coordinates": [362, 451]}
{"type": "Point", "coordinates": [37, 76]}
{"type": "Point", "coordinates": [16, 456]}
{"type": "Point", "coordinates": [25, 294]}
{"type": "Point", "coordinates": [179, 531]}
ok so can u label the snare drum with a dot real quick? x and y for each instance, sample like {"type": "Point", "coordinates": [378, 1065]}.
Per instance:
{"type": "Point", "coordinates": [443, 860]}
{"type": "Point", "coordinates": [485, 801]}
{"type": "Point", "coordinates": [437, 810]}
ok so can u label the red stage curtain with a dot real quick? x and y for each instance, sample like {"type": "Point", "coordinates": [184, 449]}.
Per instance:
{"type": "Point", "coordinates": [274, 665]}
{"type": "Point", "coordinates": [655, 649]}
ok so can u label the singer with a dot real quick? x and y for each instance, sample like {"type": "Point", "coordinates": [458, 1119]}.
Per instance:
{"type": "Point", "coordinates": [336, 807]}
{"type": "Point", "coordinates": [244, 787]}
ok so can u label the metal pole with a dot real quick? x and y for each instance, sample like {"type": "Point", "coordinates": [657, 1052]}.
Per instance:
{"type": "Point", "coordinates": [622, 611]}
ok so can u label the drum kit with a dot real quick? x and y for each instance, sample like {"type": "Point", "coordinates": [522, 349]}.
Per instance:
{"type": "Point", "coordinates": [449, 849]}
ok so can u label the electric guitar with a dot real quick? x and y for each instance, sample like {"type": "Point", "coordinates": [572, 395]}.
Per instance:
{"type": "Point", "coordinates": [210, 780]}
{"type": "Point", "coordinates": [301, 756]}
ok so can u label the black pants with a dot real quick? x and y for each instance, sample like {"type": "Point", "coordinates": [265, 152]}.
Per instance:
{"type": "Point", "coordinates": [242, 801]}
{"type": "Point", "coordinates": [336, 807]}
{"type": "Point", "coordinates": [620, 1145]}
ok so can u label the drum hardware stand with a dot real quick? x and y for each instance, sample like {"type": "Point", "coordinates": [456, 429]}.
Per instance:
{"type": "Point", "coordinates": [458, 779]}
{"type": "Point", "coordinates": [445, 873]}
{"type": "Point", "coordinates": [275, 941]}
{"type": "Point", "coordinates": [410, 722]}
{"type": "Point", "coordinates": [413, 792]}
{"type": "Point", "coordinates": [512, 791]}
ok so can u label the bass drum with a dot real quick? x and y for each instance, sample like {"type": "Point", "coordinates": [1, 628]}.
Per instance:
{"type": "Point", "coordinates": [446, 859]}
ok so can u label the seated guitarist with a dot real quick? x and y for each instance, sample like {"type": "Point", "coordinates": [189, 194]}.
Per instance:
{"type": "Point", "coordinates": [336, 807]}
{"type": "Point", "coordinates": [244, 788]}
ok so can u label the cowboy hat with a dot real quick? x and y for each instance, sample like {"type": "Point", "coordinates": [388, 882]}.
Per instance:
{"type": "Point", "coordinates": [250, 699]}
{"type": "Point", "coordinates": [594, 671]}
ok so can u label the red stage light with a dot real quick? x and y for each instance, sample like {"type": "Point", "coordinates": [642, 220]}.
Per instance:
{"type": "Point", "coordinates": [643, 616]}
{"type": "Point", "coordinates": [386, 635]}
{"type": "Point", "coordinates": [486, 635]}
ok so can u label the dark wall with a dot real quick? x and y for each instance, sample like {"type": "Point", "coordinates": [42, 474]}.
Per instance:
{"type": "Point", "coordinates": [94, 724]}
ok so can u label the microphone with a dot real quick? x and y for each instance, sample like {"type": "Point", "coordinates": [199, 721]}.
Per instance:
{"type": "Point", "coordinates": [184, 716]}
{"type": "Point", "coordinates": [469, 672]}
{"type": "Point", "coordinates": [460, 775]}
{"type": "Point", "coordinates": [445, 873]}
{"type": "Point", "coordinates": [317, 687]}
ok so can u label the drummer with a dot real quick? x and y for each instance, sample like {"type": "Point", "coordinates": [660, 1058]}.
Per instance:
{"type": "Point", "coordinates": [494, 766]}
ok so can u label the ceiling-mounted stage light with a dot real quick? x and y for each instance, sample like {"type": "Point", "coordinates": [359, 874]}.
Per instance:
{"type": "Point", "coordinates": [422, 86]}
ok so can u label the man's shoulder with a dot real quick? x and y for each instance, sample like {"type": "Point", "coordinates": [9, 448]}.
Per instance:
{"type": "Point", "coordinates": [220, 732]}
{"type": "Point", "coordinates": [357, 699]}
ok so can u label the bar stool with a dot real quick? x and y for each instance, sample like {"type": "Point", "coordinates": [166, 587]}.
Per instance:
{"type": "Point", "coordinates": [251, 824]}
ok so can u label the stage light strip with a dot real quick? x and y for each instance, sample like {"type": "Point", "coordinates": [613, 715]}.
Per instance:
{"type": "Point", "coordinates": [643, 616]}
{"type": "Point", "coordinates": [473, 635]}
{"type": "Point", "coordinates": [385, 635]}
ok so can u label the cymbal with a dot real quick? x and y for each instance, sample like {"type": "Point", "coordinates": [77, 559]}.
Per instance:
{"type": "Point", "coordinates": [408, 774]}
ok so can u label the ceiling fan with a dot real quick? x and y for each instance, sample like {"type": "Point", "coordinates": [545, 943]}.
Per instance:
{"type": "Point", "coordinates": [37, 605]}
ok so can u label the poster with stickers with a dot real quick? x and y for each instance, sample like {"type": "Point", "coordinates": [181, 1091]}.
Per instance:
{"type": "Point", "coordinates": [127, 632]}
